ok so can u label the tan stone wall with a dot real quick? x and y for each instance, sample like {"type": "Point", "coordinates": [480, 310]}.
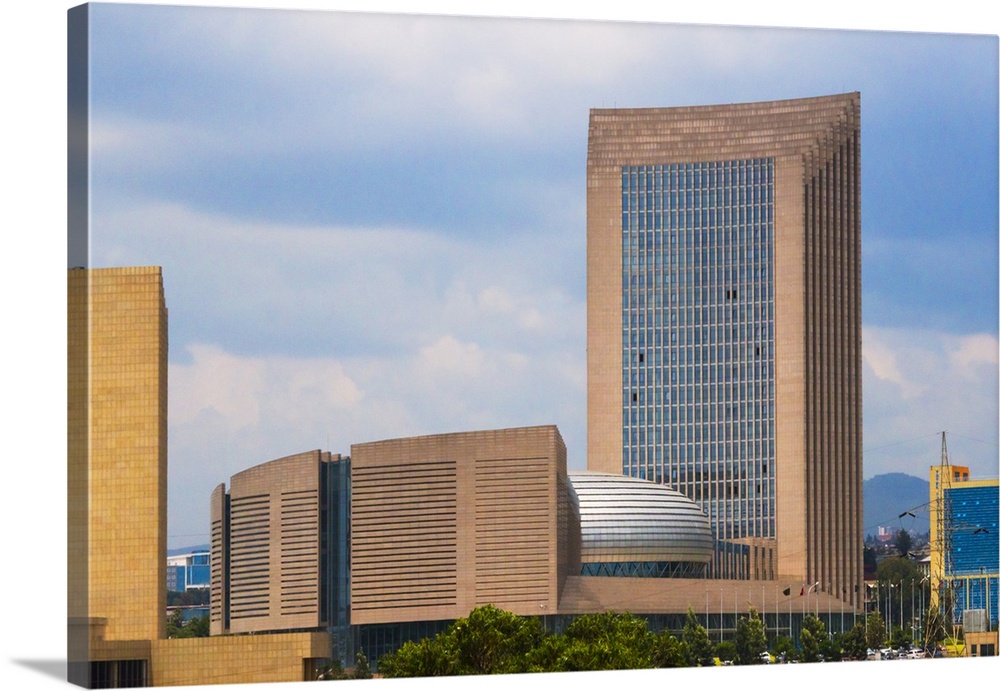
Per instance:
{"type": "Point", "coordinates": [585, 594]}
{"type": "Point", "coordinates": [117, 421]}
{"type": "Point", "coordinates": [442, 524]}
{"type": "Point", "coordinates": [77, 479]}
{"type": "Point", "coordinates": [979, 639]}
{"type": "Point", "coordinates": [238, 659]}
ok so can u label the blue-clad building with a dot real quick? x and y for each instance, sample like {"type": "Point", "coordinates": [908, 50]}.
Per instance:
{"type": "Point", "coordinates": [965, 561]}
{"type": "Point", "coordinates": [188, 571]}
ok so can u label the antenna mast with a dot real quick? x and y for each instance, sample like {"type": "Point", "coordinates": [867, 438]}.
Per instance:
{"type": "Point", "coordinates": [944, 530]}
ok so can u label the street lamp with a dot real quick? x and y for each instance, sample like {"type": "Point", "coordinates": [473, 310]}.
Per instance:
{"type": "Point", "coordinates": [888, 610]}
{"type": "Point", "coordinates": [913, 628]}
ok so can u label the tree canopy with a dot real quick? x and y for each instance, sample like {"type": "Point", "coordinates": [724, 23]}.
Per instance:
{"type": "Point", "coordinates": [700, 652]}
{"type": "Point", "coordinates": [197, 627]}
{"type": "Point", "coordinates": [903, 543]}
{"type": "Point", "coordinates": [812, 637]}
{"type": "Point", "coordinates": [493, 641]}
{"type": "Point", "coordinates": [901, 589]}
{"type": "Point", "coordinates": [751, 639]}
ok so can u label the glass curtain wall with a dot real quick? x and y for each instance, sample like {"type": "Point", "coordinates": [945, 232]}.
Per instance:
{"type": "Point", "coordinates": [698, 336]}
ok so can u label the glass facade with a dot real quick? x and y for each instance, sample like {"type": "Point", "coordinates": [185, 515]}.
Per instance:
{"type": "Point", "coordinates": [698, 336]}
{"type": "Point", "coordinates": [194, 572]}
{"type": "Point", "coordinates": [335, 576]}
{"type": "Point", "coordinates": [645, 569]}
{"type": "Point", "coordinates": [972, 514]}
{"type": "Point", "coordinates": [376, 640]}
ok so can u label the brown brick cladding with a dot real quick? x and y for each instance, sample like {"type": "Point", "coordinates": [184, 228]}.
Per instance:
{"type": "Point", "coordinates": [815, 143]}
{"type": "Point", "coordinates": [444, 523]}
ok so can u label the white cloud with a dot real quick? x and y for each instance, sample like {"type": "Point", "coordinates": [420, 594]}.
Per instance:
{"type": "Point", "coordinates": [494, 300]}
{"type": "Point", "coordinates": [328, 288]}
{"type": "Point", "coordinates": [880, 357]}
{"type": "Point", "coordinates": [918, 383]}
{"type": "Point", "coordinates": [229, 412]}
{"type": "Point", "coordinates": [329, 81]}
{"type": "Point", "coordinates": [246, 390]}
{"type": "Point", "coordinates": [974, 356]}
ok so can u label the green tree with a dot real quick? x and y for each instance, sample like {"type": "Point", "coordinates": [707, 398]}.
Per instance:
{"type": "Point", "coordinates": [832, 648]}
{"type": "Point", "coordinates": [726, 651]}
{"type": "Point", "coordinates": [608, 641]}
{"type": "Point", "coordinates": [783, 645]}
{"type": "Point", "coordinates": [811, 638]}
{"type": "Point", "coordinates": [874, 630]}
{"type": "Point", "coordinates": [855, 643]}
{"type": "Point", "coordinates": [362, 670]}
{"type": "Point", "coordinates": [751, 640]}
{"type": "Point", "coordinates": [332, 671]}
{"type": "Point", "coordinates": [900, 584]}
{"type": "Point", "coordinates": [547, 656]}
{"type": "Point", "coordinates": [431, 657]}
{"type": "Point", "coordinates": [197, 627]}
{"type": "Point", "coordinates": [668, 651]}
{"type": "Point", "coordinates": [175, 623]}
{"type": "Point", "coordinates": [900, 637]}
{"type": "Point", "coordinates": [491, 641]}
{"type": "Point", "coordinates": [903, 543]}
{"type": "Point", "coordinates": [700, 652]}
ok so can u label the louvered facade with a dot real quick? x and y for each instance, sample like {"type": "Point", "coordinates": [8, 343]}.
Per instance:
{"type": "Point", "coordinates": [271, 547]}
{"type": "Point", "coordinates": [444, 523]}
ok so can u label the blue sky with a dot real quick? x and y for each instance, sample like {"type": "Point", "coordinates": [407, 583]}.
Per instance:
{"type": "Point", "coordinates": [374, 225]}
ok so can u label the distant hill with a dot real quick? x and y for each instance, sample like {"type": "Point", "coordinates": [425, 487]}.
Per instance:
{"type": "Point", "coordinates": [187, 550]}
{"type": "Point", "coordinates": [886, 496]}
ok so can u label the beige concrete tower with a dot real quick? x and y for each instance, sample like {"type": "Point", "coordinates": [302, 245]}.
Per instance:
{"type": "Point", "coordinates": [117, 427]}
{"type": "Point", "coordinates": [117, 506]}
{"type": "Point", "coordinates": [724, 323]}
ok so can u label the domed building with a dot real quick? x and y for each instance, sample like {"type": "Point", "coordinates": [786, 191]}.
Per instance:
{"type": "Point", "coordinates": [638, 528]}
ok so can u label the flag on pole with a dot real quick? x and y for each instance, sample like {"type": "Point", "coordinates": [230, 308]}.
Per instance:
{"type": "Point", "coordinates": [802, 592]}
{"type": "Point", "coordinates": [786, 591]}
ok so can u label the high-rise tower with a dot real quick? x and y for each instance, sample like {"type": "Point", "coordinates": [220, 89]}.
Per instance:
{"type": "Point", "coordinates": [117, 464]}
{"type": "Point", "coordinates": [724, 323]}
